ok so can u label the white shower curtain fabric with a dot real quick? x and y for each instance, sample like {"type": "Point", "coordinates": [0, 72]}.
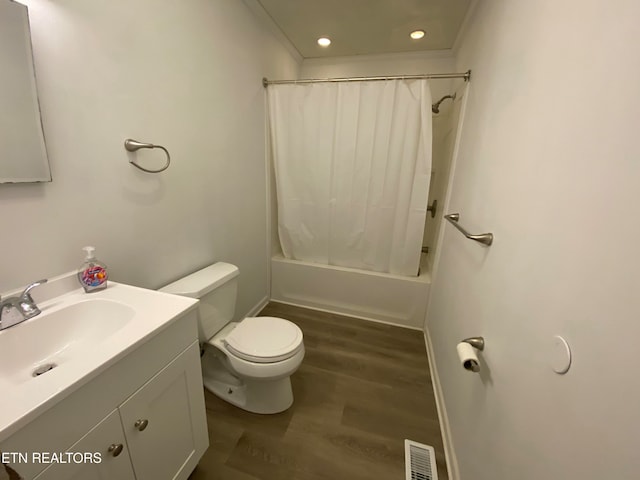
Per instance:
{"type": "Point", "coordinates": [352, 164]}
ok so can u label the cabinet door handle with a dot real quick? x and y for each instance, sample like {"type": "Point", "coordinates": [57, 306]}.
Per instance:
{"type": "Point", "coordinates": [115, 449]}
{"type": "Point", "coordinates": [141, 424]}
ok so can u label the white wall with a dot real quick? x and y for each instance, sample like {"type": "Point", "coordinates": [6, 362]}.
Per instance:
{"type": "Point", "coordinates": [548, 161]}
{"type": "Point", "coordinates": [183, 74]}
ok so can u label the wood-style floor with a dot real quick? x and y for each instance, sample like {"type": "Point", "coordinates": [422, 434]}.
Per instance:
{"type": "Point", "coordinates": [363, 388]}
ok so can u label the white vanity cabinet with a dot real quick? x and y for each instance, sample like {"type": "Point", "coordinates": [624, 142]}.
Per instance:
{"type": "Point", "coordinates": [164, 421]}
{"type": "Point", "coordinates": [144, 415]}
{"type": "Point", "coordinates": [110, 466]}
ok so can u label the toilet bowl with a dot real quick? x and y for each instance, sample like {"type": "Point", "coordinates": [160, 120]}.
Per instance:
{"type": "Point", "coordinates": [247, 363]}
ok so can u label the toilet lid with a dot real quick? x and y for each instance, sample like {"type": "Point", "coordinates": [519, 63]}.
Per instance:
{"type": "Point", "coordinates": [264, 339]}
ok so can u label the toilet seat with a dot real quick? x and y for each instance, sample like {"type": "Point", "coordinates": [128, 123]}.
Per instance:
{"type": "Point", "coordinates": [264, 339]}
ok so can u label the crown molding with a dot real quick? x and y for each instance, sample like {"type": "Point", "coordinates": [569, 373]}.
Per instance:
{"type": "Point", "coordinates": [258, 10]}
{"type": "Point", "coordinates": [464, 27]}
{"type": "Point", "coordinates": [419, 55]}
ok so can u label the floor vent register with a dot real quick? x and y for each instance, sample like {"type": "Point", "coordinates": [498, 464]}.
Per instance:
{"type": "Point", "coordinates": [420, 461]}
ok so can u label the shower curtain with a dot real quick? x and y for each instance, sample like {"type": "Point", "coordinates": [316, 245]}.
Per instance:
{"type": "Point", "coordinates": [352, 164]}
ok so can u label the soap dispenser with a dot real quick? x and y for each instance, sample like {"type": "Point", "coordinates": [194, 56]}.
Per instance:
{"type": "Point", "coordinates": [93, 273]}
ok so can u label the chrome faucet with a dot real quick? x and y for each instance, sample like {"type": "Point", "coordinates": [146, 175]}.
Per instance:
{"type": "Point", "coordinates": [14, 310]}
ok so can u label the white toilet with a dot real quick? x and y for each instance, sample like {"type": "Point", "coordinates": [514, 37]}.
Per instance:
{"type": "Point", "coordinates": [246, 363]}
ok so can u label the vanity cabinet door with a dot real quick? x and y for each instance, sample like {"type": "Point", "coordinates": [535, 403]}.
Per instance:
{"type": "Point", "coordinates": [105, 439]}
{"type": "Point", "coordinates": [165, 422]}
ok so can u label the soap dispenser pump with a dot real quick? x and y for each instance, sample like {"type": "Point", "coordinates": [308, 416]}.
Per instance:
{"type": "Point", "coordinates": [93, 273]}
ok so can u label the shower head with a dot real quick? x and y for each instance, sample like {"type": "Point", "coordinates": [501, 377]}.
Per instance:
{"type": "Point", "coordinates": [435, 108]}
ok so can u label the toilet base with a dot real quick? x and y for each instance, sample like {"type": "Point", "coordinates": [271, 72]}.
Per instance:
{"type": "Point", "coordinates": [256, 396]}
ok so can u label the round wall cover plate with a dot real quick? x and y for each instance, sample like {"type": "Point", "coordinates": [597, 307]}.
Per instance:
{"type": "Point", "coordinates": [560, 355]}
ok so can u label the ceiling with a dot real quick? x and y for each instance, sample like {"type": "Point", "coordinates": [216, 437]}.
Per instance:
{"type": "Point", "coordinates": [361, 27]}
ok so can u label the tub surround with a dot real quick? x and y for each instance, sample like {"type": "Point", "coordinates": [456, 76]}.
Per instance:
{"type": "Point", "coordinates": [374, 296]}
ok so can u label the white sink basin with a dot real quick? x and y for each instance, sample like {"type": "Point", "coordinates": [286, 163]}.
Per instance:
{"type": "Point", "coordinates": [51, 339]}
{"type": "Point", "coordinates": [76, 337]}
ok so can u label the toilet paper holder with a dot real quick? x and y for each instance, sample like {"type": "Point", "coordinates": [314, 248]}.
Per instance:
{"type": "Point", "coordinates": [475, 342]}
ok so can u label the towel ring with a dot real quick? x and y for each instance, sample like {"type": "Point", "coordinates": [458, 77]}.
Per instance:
{"type": "Point", "coordinates": [131, 145]}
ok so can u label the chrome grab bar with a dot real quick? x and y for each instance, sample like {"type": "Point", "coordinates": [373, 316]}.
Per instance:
{"type": "Point", "coordinates": [484, 238]}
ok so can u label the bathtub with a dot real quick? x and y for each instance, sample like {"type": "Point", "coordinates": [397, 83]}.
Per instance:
{"type": "Point", "coordinates": [379, 297]}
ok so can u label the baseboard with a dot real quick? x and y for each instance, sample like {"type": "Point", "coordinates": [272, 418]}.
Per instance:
{"type": "Point", "coordinates": [257, 308]}
{"type": "Point", "coordinates": [337, 312]}
{"type": "Point", "coordinates": [452, 461]}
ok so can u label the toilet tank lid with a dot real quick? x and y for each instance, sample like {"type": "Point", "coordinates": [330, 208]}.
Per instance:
{"type": "Point", "coordinates": [199, 283]}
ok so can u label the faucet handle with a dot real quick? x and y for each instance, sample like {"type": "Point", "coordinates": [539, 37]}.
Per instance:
{"type": "Point", "coordinates": [28, 306]}
{"type": "Point", "coordinates": [26, 295]}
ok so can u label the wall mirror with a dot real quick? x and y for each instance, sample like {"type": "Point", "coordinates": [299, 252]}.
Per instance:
{"type": "Point", "coordinates": [23, 155]}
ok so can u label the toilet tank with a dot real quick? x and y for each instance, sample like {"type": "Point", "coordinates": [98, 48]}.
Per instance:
{"type": "Point", "coordinates": [216, 286]}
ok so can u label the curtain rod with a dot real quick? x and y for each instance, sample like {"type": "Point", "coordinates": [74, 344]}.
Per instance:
{"type": "Point", "coordinates": [466, 76]}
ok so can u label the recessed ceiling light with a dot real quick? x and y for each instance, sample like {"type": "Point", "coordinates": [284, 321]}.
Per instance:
{"type": "Point", "coordinates": [324, 42]}
{"type": "Point", "coordinates": [417, 34]}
